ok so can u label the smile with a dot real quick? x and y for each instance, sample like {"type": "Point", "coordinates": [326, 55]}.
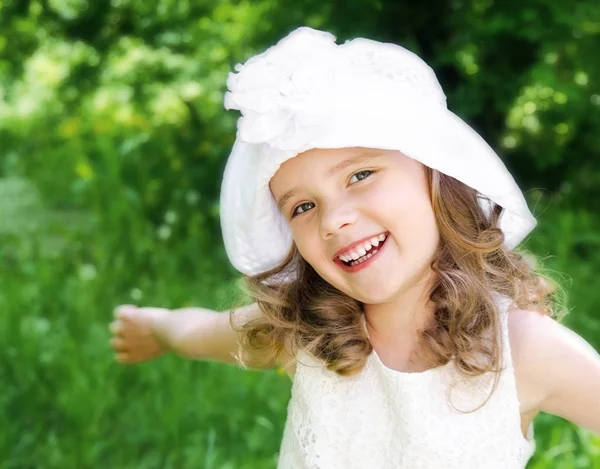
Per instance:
{"type": "Point", "coordinates": [355, 265]}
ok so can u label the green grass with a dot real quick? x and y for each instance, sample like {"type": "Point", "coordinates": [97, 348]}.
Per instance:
{"type": "Point", "coordinates": [68, 404]}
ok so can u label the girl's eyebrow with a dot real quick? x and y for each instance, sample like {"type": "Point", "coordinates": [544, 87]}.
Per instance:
{"type": "Point", "coordinates": [360, 158]}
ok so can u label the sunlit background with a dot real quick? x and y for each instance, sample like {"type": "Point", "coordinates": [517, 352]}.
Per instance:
{"type": "Point", "coordinates": [113, 139]}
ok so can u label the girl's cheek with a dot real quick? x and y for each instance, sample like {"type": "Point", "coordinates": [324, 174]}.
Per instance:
{"type": "Point", "coordinates": [303, 242]}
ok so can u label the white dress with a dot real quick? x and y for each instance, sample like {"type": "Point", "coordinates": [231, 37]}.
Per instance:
{"type": "Point", "coordinates": [386, 419]}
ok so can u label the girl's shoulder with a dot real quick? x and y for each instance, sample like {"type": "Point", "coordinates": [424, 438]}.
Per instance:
{"type": "Point", "coordinates": [556, 370]}
{"type": "Point", "coordinates": [523, 332]}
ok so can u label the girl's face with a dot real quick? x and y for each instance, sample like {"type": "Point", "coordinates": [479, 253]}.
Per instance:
{"type": "Point", "coordinates": [344, 195]}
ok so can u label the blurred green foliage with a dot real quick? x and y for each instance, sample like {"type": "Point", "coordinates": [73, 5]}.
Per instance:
{"type": "Point", "coordinates": [113, 139]}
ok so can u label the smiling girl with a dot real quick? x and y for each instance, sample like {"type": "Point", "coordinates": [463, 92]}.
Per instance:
{"type": "Point", "coordinates": [377, 233]}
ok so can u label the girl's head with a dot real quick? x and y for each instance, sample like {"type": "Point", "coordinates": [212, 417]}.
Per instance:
{"type": "Point", "coordinates": [339, 143]}
{"type": "Point", "coordinates": [334, 198]}
{"type": "Point", "coordinates": [440, 238]}
{"type": "Point", "coordinates": [307, 94]}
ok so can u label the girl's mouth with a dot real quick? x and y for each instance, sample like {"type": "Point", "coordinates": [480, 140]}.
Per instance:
{"type": "Point", "coordinates": [364, 261]}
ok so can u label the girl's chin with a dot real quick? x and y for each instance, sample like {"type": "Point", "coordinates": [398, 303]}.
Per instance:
{"type": "Point", "coordinates": [374, 294]}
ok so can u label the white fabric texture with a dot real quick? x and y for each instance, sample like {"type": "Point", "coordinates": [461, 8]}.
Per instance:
{"type": "Point", "coordinates": [309, 92]}
{"type": "Point", "coordinates": [385, 419]}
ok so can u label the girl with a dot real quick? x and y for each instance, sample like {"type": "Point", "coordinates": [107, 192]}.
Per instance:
{"type": "Point", "coordinates": [377, 233]}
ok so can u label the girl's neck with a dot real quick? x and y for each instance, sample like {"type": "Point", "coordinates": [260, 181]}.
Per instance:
{"type": "Point", "coordinates": [396, 324]}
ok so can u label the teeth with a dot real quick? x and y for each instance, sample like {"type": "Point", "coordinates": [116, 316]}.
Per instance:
{"type": "Point", "coordinates": [364, 258]}
{"type": "Point", "coordinates": [348, 257]}
{"type": "Point", "coordinates": [361, 250]}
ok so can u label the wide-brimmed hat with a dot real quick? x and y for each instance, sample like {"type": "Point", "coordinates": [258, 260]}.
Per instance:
{"type": "Point", "coordinates": [309, 92]}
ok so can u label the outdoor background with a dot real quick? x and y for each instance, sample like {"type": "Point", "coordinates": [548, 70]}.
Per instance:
{"type": "Point", "coordinates": [113, 139]}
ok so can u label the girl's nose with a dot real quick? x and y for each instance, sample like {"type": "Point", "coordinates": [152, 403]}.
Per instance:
{"type": "Point", "coordinates": [334, 219]}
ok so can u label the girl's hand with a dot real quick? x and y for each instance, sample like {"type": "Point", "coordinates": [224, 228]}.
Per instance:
{"type": "Point", "coordinates": [137, 333]}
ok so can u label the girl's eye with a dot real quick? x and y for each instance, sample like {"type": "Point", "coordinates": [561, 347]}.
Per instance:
{"type": "Point", "coordinates": [362, 172]}
{"type": "Point", "coordinates": [295, 211]}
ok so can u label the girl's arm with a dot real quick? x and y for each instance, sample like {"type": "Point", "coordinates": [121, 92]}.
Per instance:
{"type": "Point", "coordinates": [194, 333]}
{"type": "Point", "coordinates": [564, 368]}
{"type": "Point", "coordinates": [203, 334]}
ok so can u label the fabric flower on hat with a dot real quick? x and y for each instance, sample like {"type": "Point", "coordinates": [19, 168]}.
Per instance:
{"type": "Point", "coordinates": [285, 89]}
{"type": "Point", "coordinates": [286, 92]}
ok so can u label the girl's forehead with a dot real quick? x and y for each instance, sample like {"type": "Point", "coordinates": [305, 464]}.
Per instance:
{"type": "Point", "coordinates": [330, 160]}
{"type": "Point", "coordinates": [325, 162]}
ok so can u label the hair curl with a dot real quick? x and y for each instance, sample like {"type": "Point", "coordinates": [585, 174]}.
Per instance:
{"type": "Point", "coordinates": [472, 262]}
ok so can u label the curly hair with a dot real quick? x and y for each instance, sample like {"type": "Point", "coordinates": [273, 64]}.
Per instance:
{"type": "Point", "coordinates": [471, 263]}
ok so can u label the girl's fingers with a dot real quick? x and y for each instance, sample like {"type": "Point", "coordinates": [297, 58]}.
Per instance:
{"type": "Point", "coordinates": [118, 344]}
{"type": "Point", "coordinates": [122, 310]}
{"type": "Point", "coordinates": [116, 327]}
{"type": "Point", "coordinates": [132, 338]}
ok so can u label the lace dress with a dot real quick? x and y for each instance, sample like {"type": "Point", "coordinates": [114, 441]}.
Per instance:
{"type": "Point", "coordinates": [386, 419]}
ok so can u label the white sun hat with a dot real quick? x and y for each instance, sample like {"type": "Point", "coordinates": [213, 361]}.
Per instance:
{"type": "Point", "coordinates": [309, 92]}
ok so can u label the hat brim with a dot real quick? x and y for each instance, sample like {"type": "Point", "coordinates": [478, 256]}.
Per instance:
{"type": "Point", "coordinates": [256, 235]}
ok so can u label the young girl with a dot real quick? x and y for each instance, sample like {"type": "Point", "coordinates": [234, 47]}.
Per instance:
{"type": "Point", "coordinates": [377, 233]}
